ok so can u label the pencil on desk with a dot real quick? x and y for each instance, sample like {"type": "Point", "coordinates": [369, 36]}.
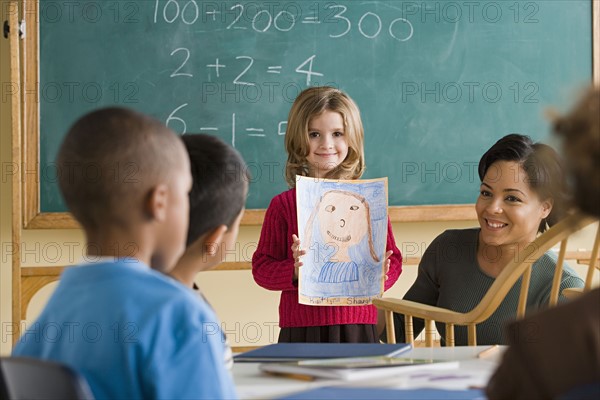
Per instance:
{"type": "Point", "coordinates": [300, 377]}
{"type": "Point", "coordinates": [488, 351]}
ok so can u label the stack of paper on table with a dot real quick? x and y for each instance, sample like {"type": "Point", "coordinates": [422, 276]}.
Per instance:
{"type": "Point", "coordinates": [355, 368]}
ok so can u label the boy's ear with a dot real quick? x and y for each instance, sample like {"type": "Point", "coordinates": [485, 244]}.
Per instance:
{"type": "Point", "coordinates": [213, 240]}
{"type": "Point", "coordinates": [156, 202]}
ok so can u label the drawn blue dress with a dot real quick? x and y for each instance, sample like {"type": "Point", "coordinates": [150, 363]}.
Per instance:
{"type": "Point", "coordinates": [338, 272]}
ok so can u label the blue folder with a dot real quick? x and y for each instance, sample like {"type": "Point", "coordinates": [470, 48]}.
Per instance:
{"type": "Point", "coordinates": [280, 352]}
{"type": "Point", "coordinates": [386, 394]}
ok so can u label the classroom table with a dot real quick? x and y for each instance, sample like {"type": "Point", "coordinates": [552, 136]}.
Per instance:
{"type": "Point", "coordinates": [251, 383]}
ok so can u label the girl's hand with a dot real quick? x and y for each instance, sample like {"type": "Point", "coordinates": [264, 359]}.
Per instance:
{"type": "Point", "coordinates": [386, 263]}
{"type": "Point", "coordinates": [297, 254]}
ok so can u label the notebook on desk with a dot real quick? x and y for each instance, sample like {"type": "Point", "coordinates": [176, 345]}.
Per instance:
{"type": "Point", "coordinates": [280, 352]}
{"type": "Point", "coordinates": [384, 394]}
{"type": "Point", "coordinates": [354, 368]}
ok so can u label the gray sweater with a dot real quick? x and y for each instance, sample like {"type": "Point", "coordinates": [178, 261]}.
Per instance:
{"type": "Point", "coordinates": [450, 277]}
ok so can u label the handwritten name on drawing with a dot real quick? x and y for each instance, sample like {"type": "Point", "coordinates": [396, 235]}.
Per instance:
{"type": "Point", "coordinates": [346, 301]}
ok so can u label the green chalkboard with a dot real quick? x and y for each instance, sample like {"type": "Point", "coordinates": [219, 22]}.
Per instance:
{"type": "Point", "coordinates": [437, 82]}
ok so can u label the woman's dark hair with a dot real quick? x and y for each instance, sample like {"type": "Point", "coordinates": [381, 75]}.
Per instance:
{"type": "Point", "coordinates": [541, 163]}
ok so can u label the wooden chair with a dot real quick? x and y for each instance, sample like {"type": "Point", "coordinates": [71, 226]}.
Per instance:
{"type": "Point", "coordinates": [519, 267]}
{"type": "Point", "coordinates": [593, 264]}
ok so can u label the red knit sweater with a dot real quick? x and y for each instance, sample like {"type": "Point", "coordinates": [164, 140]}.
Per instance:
{"type": "Point", "coordinates": [273, 269]}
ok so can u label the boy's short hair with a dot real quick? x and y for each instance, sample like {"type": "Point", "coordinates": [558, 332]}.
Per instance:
{"type": "Point", "coordinates": [109, 160]}
{"type": "Point", "coordinates": [220, 184]}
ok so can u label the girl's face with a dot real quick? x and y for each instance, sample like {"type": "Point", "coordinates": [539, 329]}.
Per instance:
{"type": "Point", "coordinates": [328, 145]}
{"type": "Point", "coordinates": [509, 211]}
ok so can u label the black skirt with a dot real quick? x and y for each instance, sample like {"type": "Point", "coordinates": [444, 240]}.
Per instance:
{"type": "Point", "coordinates": [349, 333]}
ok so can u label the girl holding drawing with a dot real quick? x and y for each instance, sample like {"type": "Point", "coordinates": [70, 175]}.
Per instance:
{"type": "Point", "coordinates": [324, 139]}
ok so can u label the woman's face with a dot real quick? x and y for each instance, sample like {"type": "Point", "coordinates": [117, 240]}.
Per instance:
{"type": "Point", "coordinates": [508, 210]}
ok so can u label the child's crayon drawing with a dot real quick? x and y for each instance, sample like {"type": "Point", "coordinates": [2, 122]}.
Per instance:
{"type": "Point", "coordinates": [343, 228]}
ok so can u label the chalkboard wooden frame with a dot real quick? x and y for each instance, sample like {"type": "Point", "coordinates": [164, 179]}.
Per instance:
{"type": "Point", "coordinates": [33, 218]}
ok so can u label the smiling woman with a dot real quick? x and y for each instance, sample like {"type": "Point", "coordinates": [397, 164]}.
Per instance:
{"type": "Point", "coordinates": [522, 192]}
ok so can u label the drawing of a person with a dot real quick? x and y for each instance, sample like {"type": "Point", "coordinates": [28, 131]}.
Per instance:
{"type": "Point", "coordinates": [344, 219]}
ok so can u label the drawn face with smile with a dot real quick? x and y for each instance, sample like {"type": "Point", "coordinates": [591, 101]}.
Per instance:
{"type": "Point", "coordinates": [343, 221]}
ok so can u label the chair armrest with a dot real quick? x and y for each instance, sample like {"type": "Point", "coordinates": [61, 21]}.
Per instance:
{"type": "Point", "coordinates": [418, 310]}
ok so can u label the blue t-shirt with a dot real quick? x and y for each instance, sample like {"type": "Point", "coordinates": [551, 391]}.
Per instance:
{"type": "Point", "coordinates": [132, 333]}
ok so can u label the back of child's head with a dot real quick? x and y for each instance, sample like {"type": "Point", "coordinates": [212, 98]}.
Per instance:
{"type": "Point", "coordinates": [220, 184]}
{"type": "Point", "coordinates": [580, 130]}
{"type": "Point", "coordinates": [309, 104]}
{"type": "Point", "coordinates": [109, 161]}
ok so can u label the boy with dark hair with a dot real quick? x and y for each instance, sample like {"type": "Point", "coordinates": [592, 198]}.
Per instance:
{"type": "Point", "coordinates": [132, 332]}
{"type": "Point", "coordinates": [220, 186]}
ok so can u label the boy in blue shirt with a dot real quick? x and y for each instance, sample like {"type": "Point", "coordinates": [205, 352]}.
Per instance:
{"type": "Point", "coordinates": [220, 185]}
{"type": "Point", "coordinates": [131, 331]}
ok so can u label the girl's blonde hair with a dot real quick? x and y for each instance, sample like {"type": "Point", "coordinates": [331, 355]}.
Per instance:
{"type": "Point", "coordinates": [310, 103]}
